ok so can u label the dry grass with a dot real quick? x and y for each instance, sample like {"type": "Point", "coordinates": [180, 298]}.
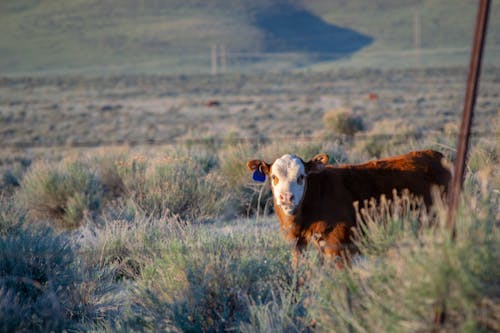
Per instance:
{"type": "Point", "coordinates": [68, 111]}
{"type": "Point", "coordinates": [138, 257]}
{"type": "Point", "coordinates": [63, 193]}
{"type": "Point", "coordinates": [165, 272]}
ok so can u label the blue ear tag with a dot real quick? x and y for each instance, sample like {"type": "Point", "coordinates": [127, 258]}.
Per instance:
{"type": "Point", "coordinates": [259, 176]}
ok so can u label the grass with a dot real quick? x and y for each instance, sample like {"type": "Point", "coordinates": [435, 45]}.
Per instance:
{"type": "Point", "coordinates": [70, 192]}
{"type": "Point", "coordinates": [378, 143]}
{"type": "Point", "coordinates": [166, 110]}
{"type": "Point", "coordinates": [181, 185]}
{"type": "Point", "coordinates": [44, 286]}
{"type": "Point", "coordinates": [130, 268]}
{"type": "Point", "coordinates": [178, 237]}
{"type": "Point", "coordinates": [64, 193]}
{"type": "Point", "coordinates": [175, 37]}
{"type": "Point", "coordinates": [454, 277]}
{"type": "Point", "coordinates": [206, 281]}
{"type": "Point", "coordinates": [446, 31]}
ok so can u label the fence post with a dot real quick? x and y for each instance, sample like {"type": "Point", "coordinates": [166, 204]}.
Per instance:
{"type": "Point", "coordinates": [470, 100]}
{"type": "Point", "coordinates": [223, 58]}
{"type": "Point", "coordinates": [213, 57]}
{"type": "Point", "coordinates": [463, 138]}
{"type": "Point", "coordinates": [417, 38]}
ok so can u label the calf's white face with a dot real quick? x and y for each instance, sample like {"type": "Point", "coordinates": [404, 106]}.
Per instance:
{"type": "Point", "coordinates": [288, 182]}
{"type": "Point", "coordinates": [288, 178]}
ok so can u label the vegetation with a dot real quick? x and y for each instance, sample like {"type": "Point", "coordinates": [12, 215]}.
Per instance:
{"type": "Point", "coordinates": [45, 285]}
{"type": "Point", "coordinates": [142, 262]}
{"type": "Point", "coordinates": [175, 36]}
{"type": "Point", "coordinates": [342, 122]}
{"type": "Point", "coordinates": [421, 275]}
{"type": "Point", "coordinates": [165, 110]}
{"type": "Point", "coordinates": [178, 238]}
{"type": "Point", "coordinates": [63, 193]}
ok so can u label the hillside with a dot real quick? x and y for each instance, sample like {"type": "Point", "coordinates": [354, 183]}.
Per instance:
{"type": "Point", "coordinates": [176, 36]}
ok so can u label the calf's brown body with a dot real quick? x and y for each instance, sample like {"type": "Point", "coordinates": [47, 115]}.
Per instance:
{"type": "Point", "coordinates": [326, 214]}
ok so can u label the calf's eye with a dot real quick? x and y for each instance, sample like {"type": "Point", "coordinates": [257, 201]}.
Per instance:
{"type": "Point", "coordinates": [274, 179]}
{"type": "Point", "coordinates": [300, 179]}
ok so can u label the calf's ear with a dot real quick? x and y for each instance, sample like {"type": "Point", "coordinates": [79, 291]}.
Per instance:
{"type": "Point", "coordinates": [260, 170]}
{"type": "Point", "coordinates": [317, 163]}
{"type": "Point", "coordinates": [258, 165]}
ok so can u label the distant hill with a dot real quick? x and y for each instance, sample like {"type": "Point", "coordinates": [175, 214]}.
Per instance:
{"type": "Point", "coordinates": [291, 28]}
{"type": "Point", "coordinates": [116, 36]}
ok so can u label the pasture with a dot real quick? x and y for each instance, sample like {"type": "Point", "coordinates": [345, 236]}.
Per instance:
{"type": "Point", "coordinates": [126, 204]}
{"type": "Point", "coordinates": [122, 36]}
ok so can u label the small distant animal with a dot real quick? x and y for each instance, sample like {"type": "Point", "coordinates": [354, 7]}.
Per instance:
{"type": "Point", "coordinates": [314, 200]}
{"type": "Point", "coordinates": [212, 103]}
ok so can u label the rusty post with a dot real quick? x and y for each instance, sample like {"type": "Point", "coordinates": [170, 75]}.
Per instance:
{"type": "Point", "coordinates": [463, 138]}
{"type": "Point", "coordinates": [470, 100]}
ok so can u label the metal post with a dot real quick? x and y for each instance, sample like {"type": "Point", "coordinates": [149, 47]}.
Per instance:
{"type": "Point", "coordinates": [214, 59]}
{"type": "Point", "coordinates": [417, 38]}
{"type": "Point", "coordinates": [463, 138]}
{"type": "Point", "coordinates": [223, 57]}
{"type": "Point", "coordinates": [470, 100]}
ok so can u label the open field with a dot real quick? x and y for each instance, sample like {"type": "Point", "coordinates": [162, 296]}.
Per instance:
{"type": "Point", "coordinates": [76, 111]}
{"type": "Point", "coordinates": [126, 36]}
{"type": "Point", "coordinates": [125, 204]}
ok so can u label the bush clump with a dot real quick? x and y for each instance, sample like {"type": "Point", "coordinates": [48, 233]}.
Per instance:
{"type": "Point", "coordinates": [415, 275]}
{"type": "Point", "coordinates": [67, 192]}
{"type": "Point", "coordinates": [342, 122]}
{"type": "Point", "coordinates": [63, 193]}
{"type": "Point", "coordinates": [247, 196]}
{"type": "Point", "coordinates": [389, 137]}
{"type": "Point", "coordinates": [124, 247]}
{"type": "Point", "coordinates": [10, 215]}
{"type": "Point", "coordinates": [178, 185]}
{"type": "Point", "coordinates": [44, 287]}
{"type": "Point", "coordinates": [203, 282]}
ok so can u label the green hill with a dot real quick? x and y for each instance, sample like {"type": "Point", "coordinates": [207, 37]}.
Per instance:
{"type": "Point", "coordinates": [176, 36]}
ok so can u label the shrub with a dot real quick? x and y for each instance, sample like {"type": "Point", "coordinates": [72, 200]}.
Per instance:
{"type": "Point", "coordinates": [182, 185]}
{"type": "Point", "coordinates": [233, 167]}
{"type": "Point", "coordinates": [388, 137]}
{"type": "Point", "coordinates": [342, 122]}
{"type": "Point", "coordinates": [66, 192]}
{"type": "Point", "coordinates": [10, 215]}
{"type": "Point", "coordinates": [10, 179]}
{"type": "Point", "coordinates": [125, 246]}
{"type": "Point", "coordinates": [285, 312]}
{"type": "Point", "coordinates": [419, 276]}
{"type": "Point", "coordinates": [479, 157]}
{"type": "Point", "coordinates": [44, 287]}
{"type": "Point", "coordinates": [12, 172]}
{"type": "Point", "coordinates": [62, 193]}
{"type": "Point", "coordinates": [237, 180]}
{"type": "Point", "coordinates": [207, 282]}
{"type": "Point", "coordinates": [382, 223]}
{"type": "Point", "coordinates": [106, 165]}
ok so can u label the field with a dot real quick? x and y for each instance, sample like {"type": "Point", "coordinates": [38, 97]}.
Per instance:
{"type": "Point", "coordinates": [126, 206]}
{"type": "Point", "coordinates": [92, 111]}
{"type": "Point", "coordinates": [125, 202]}
{"type": "Point", "coordinates": [152, 36]}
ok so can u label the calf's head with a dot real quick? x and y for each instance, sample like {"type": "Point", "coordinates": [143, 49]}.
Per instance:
{"type": "Point", "coordinates": [288, 178]}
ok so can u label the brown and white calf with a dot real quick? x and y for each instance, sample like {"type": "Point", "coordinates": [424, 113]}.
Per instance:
{"type": "Point", "coordinates": [314, 200]}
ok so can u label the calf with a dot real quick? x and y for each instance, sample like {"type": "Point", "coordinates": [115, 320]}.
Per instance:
{"type": "Point", "coordinates": [314, 200]}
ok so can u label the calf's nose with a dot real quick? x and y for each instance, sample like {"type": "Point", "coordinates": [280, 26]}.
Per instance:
{"type": "Point", "coordinates": [287, 198]}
